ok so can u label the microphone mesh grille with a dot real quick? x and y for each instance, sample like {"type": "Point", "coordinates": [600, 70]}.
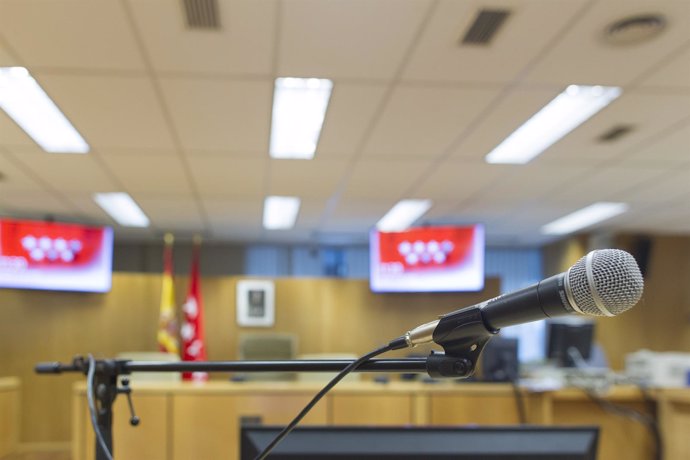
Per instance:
{"type": "Point", "coordinates": [617, 281]}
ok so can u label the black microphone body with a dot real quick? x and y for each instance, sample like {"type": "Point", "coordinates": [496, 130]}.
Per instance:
{"type": "Point", "coordinates": [603, 283]}
{"type": "Point", "coordinates": [546, 299]}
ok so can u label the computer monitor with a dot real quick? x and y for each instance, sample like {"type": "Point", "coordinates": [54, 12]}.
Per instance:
{"type": "Point", "coordinates": [428, 443]}
{"type": "Point", "coordinates": [563, 336]}
{"type": "Point", "coordinates": [500, 360]}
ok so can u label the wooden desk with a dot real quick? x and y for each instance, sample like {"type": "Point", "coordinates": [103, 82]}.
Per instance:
{"type": "Point", "coordinates": [9, 415]}
{"type": "Point", "coordinates": [674, 416]}
{"type": "Point", "coordinates": [181, 421]}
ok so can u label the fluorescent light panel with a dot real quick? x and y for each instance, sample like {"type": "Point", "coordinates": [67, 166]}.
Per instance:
{"type": "Point", "coordinates": [563, 114]}
{"type": "Point", "coordinates": [30, 107]}
{"type": "Point", "coordinates": [584, 217]}
{"type": "Point", "coordinates": [122, 208]}
{"type": "Point", "coordinates": [280, 212]}
{"type": "Point", "coordinates": [403, 214]}
{"type": "Point", "coordinates": [299, 108]}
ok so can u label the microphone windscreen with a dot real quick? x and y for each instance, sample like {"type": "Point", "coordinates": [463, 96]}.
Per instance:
{"type": "Point", "coordinates": [605, 282]}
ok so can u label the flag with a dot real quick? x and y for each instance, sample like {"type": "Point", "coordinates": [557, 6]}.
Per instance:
{"type": "Point", "coordinates": [192, 332]}
{"type": "Point", "coordinates": [167, 323]}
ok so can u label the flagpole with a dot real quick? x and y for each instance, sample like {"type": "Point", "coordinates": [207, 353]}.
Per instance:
{"type": "Point", "coordinates": [167, 322]}
{"type": "Point", "coordinates": [192, 331]}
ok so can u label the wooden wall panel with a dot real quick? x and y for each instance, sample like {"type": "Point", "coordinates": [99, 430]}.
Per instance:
{"type": "Point", "coordinates": [479, 409]}
{"type": "Point", "coordinates": [372, 409]}
{"type": "Point", "coordinates": [620, 437]}
{"type": "Point", "coordinates": [207, 427]}
{"type": "Point", "coordinates": [9, 415]}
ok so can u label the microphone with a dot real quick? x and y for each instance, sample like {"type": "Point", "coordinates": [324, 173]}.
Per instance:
{"type": "Point", "coordinates": [605, 282]}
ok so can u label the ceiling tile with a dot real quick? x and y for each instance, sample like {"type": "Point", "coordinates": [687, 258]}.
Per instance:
{"type": "Point", "coordinates": [88, 209]}
{"type": "Point", "coordinates": [35, 205]}
{"type": "Point", "coordinates": [134, 172]}
{"type": "Point", "coordinates": [346, 38]}
{"type": "Point", "coordinates": [384, 179]}
{"type": "Point", "coordinates": [424, 121]}
{"type": "Point", "coordinates": [440, 56]}
{"type": "Point", "coordinates": [668, 149]}
{"type": "Point", "coordinates": [245, 39]}
{"type": "Point", "coordinates": [111, 112]}
{"type": "Point", "coordinates": [668, 187]}
{"type": "Point", "coordinates": [70, 34]}
{"type": "Point", "coordinates": [227, 176]}
{"type": "Point", "coordinates": [174, 214]}
{"type": "Point", "coordinates": [674, 74]}
{"type": "Point", "coordinates": [13, 178]}
{"type": "Point", "coordinates": [226, 115]}
{"type": "Point", "coordinates": [655, 219]}
{"type": "Point", "coordinates": [520, 185]}
{"type": "Point", "coordinates": [68, 172]}
{"type": "Point", "coordinates": [608, 184]}
{"type": "Point", "coordinates": [235, 218]}
{"type": "Point", "coordinates": [310, 213]}
{"type": "Point", "coordinates": [356, 214]}
{"type": "Point", "coordinates": [458, 180]}
{"type": "Point", "coordinates": [306, 178]}
{"type": "Point", "coordinates": [6, 59]}
{"type": "Point", "coordinates": [351, 112]}
{"type": "Point", "coordinates": [582, 56]}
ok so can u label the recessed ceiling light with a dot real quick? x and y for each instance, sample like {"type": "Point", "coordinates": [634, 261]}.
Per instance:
{"type": "Point", "coordinates": [299, 109]}
{"type": "Point", "coordinates": [122, 208]}
{"type": "Point", "coordinates": [585, 217]}
{"type": "Point", "coordinates": [563, 114]}
{"type": "Point", "coordinates": [403, 214]}
{"type": "Point", "coordinates": [23, 99]}
{"type": "Point", "coordinates": [280, 212]}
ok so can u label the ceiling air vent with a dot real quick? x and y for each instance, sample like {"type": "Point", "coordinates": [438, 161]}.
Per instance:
{"type": "Point", "coordinates": [635, 29]}
{"type": "Point", "coordinates": [201, 14]}
{"type": "Point", "coordinates": [485, 26]}
{"type": "Point", "coordinates": [615, 133]}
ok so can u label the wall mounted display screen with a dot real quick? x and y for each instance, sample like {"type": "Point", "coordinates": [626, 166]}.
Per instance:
{"type": "Point", "coordinates": [428, 259]}
{"type": "Point", "coordinates": [55, 256]}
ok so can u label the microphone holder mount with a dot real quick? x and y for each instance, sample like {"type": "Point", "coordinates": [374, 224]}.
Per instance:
{"type": "Point", "coordinates": [463, 335]}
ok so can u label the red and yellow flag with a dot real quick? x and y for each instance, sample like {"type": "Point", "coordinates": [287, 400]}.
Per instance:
{"type": "Point", "coordinates": [167, 323]}
{"type": "Point", "coordinates": [192, 332]}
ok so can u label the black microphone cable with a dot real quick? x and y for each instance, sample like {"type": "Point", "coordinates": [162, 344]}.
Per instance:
{"type": "Point", "coordinates": [519, 401]}
{"type": "Point", "coordinates": [92, 407]}
{"type": "Point", "coordinates": [396, 344]}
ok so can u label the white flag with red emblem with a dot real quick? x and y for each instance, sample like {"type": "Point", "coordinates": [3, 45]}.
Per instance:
{"type": "Point", "coordinates": [192, 332]}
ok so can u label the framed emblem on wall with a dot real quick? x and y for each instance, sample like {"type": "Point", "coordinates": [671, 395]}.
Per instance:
{"type": "Point", "coordinates": [255, 303]}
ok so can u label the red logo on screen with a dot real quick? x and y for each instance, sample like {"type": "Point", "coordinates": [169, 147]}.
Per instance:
{"type": "Point", "coordinates": [49, 244]}
{"type": "Point", "coordinates": [425, 248]}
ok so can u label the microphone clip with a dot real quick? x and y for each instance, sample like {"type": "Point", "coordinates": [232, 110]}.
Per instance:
{"type": "Point", "coordinates": [463, 335]}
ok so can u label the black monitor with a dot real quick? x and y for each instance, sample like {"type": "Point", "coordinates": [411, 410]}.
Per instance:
{"type": "Point", "coordinates": [500, 360]}
{"type": "Point", "coordinates": [563, 336]}
{"type": "Point", "coordinates": [428, 443]}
